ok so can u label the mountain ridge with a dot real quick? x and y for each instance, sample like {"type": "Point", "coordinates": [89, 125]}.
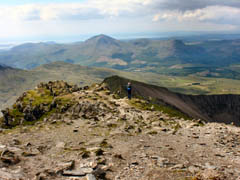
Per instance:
{"type": "Point", "coordinates": [211, 108]}
{"type": "Point", "coordinates": [146, 55]}
{"type": "Point", "coordinates": [101, 40]}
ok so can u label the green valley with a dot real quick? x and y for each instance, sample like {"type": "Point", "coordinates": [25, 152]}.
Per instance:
{"type": "Point", "coordinates": [13, 82]}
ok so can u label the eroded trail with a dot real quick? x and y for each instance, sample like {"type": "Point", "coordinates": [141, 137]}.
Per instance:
{"type": "Point", "coordinates": [102, 137]}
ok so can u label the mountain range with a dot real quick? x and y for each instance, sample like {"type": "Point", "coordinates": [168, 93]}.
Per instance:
{"type": "Point", "coordinates": [174, 57]}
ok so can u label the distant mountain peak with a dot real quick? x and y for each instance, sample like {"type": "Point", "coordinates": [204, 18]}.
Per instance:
{"type": "Point", "coordinates": [101, 36]}
{"type": "Point", "coordinates": [102, 40]}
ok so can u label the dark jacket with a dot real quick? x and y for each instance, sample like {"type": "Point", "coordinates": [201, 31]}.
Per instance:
{"type": "Point", "coordinates": [129, 88]}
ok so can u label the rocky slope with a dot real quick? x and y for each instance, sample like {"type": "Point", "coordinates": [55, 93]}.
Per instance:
{"type": "Point", "coordinates": [212, 108]}
{"type": "Point", "coordinates": [70, 133]}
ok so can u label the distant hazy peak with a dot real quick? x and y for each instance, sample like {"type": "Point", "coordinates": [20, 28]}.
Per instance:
{"type": "Point", "coordinates": [26, 46]}
{"type": "Point", "coordinates": [102, 40]}
{"type": "Point", "coordinates": [101, 36]}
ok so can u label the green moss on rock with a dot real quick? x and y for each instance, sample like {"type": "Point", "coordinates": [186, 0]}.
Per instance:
{"type": "Point", "coordinates": [42, 102]}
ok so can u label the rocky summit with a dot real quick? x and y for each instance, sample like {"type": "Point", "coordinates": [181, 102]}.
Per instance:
{"type": "Point", "coordinates": [63, 132]}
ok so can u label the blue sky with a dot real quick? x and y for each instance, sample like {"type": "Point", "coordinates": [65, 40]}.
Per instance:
{"type": "Point", "coordinates": [29, 20]}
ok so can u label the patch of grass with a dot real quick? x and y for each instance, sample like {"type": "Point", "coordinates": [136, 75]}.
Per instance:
{"type": "Point", "coordinates": [29, 123]}
{"type": "Point", "coordinates": [16, 116]}
{"type": "Point", "coordinates": [143, 105]}
{"type": "Point", "coordinates": [65, 99]}
{"type": "Point", "coordinates": [176, 128]}
{"type": "Point", "coordinates": [171, 112]}
{"type": "Point", "coordinates": [2, 122]}
{"type": "Point", "coordinates": [16, 113]}
{"type": "Point", "coordinates": [40, 99]}
{"type": "Point", "coordinates": [36, 98]}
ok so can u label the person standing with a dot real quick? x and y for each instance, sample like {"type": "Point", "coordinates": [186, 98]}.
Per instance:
{"type": "Point", "coordinates": [129, 90]}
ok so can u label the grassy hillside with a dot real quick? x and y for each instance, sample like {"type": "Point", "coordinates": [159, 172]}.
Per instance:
{"type": "Point", "coordinates": [13, 82]}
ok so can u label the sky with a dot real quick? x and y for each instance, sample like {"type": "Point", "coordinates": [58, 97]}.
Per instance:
{"type": "Point", "coordinates": [73, 20]}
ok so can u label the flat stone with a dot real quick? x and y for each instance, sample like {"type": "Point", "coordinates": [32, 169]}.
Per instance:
{"type": "Point", "coordinates": [193, 169]}
{"type": "Point", "coordinates": [162, 161]}
{"type": "Point", "coordinates": [14, 149]}
{"type": "Point", "coordinates": [78, 172]}
{"type": "Point", "coordinates": [60, 145]}
{"type": "Point", "coordinates": [178, 166]}
{"type": "Point", "coordinates": [95, 141]}
{"type": "Point", "coordinates": [2, 146]}
{"type": "Point", "coordinates": [67, 165]}
{"type": "Point", "coordinates": [5, 175]}
{"type": "Point", "coordinates": [157, 128]}
{"type": "Point", "coordinates": [87, 170]}
{"type": "Point", "coordinates": [73, 173]}
{"type": "Point", "coordinates": [209, 166]}
{"type": "Point", "coordinates": [92, 149]}
{"type": "Point", "coordinates": [156, 123]}
{"type": "Point", "coordinates": [64, 166]}
{"type": "Point", "coordinates": [90, 177]}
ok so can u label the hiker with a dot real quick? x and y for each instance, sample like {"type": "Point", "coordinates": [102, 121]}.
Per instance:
{"type": "Point", "coordinates": [129, 90]}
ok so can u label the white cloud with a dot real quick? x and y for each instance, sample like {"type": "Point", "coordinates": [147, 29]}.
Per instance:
{"type": "Point", "coordinates": [116, 16]}
{"type": "Point", "coordinates": [95, 9]}
{"type": "Point", "coordinates": [92, 9]}
{"type": "Point", "coordinates": [217, 14]}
